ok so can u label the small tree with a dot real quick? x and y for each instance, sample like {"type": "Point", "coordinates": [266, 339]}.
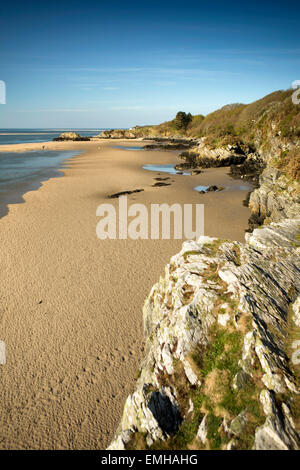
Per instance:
{"type": "Point", "coordinates": [182, 120]}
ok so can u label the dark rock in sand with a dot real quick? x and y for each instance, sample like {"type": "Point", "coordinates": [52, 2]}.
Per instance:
{"type": "Point", "coordinates": [214, 188]}
{"type": "Point", "coordinates": [124, 193]}
{"type": "Point", "coordinates": [160, 183]}
{"type": "Point", "coordinates": [168, 146]}
{"type": "Point", "coordinates": [186, 166]}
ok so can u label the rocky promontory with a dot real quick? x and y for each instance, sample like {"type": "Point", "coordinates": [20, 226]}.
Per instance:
{"type": "Point", "coordinates": [222, 342]}
{"type": "Point", "coordinates": [116, 134]}
{"type": "Point", "coordinates": [73, 136]}
{"type": "Point", "coordinates": [222, 327]}
{"type": "Point", "coordinates": [276, 198]}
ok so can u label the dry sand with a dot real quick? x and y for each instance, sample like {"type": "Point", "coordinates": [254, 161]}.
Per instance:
{"type": "Point", "coordinates": [71, 305]}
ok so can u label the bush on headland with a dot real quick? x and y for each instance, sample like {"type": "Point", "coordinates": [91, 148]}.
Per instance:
{"type": "Point", "coordinates": [182, 120]}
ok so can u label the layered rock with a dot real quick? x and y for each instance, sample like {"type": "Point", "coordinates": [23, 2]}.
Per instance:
{"type": "Point", "coordinates": [250, 169]}
{"type": "Point", "coordinates": [203, 156]}
{"type": "Point", "coordinates": [276, 198]}
{"type": "Point", "coordinates": [220, 369]}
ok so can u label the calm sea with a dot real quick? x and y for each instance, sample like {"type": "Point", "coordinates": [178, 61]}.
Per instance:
{"type": "Point", "coordinates": [23, 172]}
{"type": "Point", "coordinates": [26, 136]}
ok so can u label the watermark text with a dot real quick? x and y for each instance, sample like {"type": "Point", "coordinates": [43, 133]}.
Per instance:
{"type": "Point", "coordinates": [296, 94]}
{"type": "Point", "coordinates": [162, 221]}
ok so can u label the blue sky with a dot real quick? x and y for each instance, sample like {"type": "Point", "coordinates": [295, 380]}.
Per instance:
{"type": "Point", "coordinates": [118, 64]}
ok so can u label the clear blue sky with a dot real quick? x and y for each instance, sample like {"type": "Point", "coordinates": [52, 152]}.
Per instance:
{"type": "Point", "coordinates": [117, 64]}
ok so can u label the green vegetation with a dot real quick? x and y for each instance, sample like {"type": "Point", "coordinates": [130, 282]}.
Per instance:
{"type": "Point", "coordinates": [248, 126]}
{"type": "Point", "coordinates": [215, 359]}
{"type": "Point", "coordinates": [191, 253]}
{"type": "Point", "coordinates": [213, 433]}
{"type": "Point", "coordinates": [182, 120]}
{"type": "Point", "coordinates": [273, 114]}
{"type": "Point", "coordinates": [289, 163]}
{"type": "Point", "coordinates": [216, 398]}
{"type": "Point", "coordinates": [219, 366]}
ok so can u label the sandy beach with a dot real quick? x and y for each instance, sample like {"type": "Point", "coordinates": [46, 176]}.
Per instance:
{"type": "Point", "coordinates": [71, 305]}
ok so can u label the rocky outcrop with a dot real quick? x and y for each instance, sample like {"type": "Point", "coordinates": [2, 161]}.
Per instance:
{"type": "Point", "coordinates": [220, 369]}
{"type": "Point", "coordinates": [276, 198]}
{"type": "Point", "coordinates": [222, 327]}
{"type": "Point", "coordinates": [250, 169]}
{"type": "Point", "coordinates": [203, 156]}
{"type": "Point", "coordinates": [175, 143]}
{"type": "Point", "coordinates": [116, 134]}
{"type": "Point", "coordinates": [70, 136]}
{"type": "Point", "coordinates": [167, 146]}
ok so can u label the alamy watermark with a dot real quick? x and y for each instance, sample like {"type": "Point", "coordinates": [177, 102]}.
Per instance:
{"type": "Point", "coordinates": [2, 92]}
{"type": "Point", "coordinates": [2, 353]}
{"type": "Point", "coordinates": [296, 94]}
{"type": "Point", "coordinates": [162, 221]}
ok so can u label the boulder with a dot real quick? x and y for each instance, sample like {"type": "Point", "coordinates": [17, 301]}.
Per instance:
{"type": "Point", "coordinates": [69, 136]}
{"type": "Point", "coordinates": [65, 136]}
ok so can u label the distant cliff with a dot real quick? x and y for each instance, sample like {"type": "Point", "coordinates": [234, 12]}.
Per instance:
{"type": "Point", "coordinates": [251, 123]}
{"type": "Point", "coordinates": [267, 130]}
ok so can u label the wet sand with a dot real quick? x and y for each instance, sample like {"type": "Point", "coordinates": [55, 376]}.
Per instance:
{"type": "Point", "coordinates": [52, 145]}
{"type": "Point", "coordinates": [71, 305]}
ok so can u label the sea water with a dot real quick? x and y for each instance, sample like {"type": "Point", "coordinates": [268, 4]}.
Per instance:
{"type": "Point", "coordinates": [23, 172]}
{"type": "Point", "coordinates": [27, 136]}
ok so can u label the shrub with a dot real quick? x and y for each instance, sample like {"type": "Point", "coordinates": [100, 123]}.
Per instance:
{"type": "Point", "coordinates": [182, 120]}
{"type": "Point", "coordinates": [289, 163]}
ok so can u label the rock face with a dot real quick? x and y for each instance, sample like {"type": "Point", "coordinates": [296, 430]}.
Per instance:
{"type": "Point", "coordinates": [203, 156]}
{"type": "Point", "coordinates": [276, 198]}
{"type": "Point", "coordinates": [117, 134]}
{"type": "Point", "coordinates": [213, 384]}
{"type": "Point", "coordinates": [250, 169]}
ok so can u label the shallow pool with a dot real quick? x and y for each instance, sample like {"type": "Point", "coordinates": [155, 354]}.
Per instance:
{"type": "Point", "coordinates": [127, 148]}
{"type": "Point", "coordinates": [170, 169]}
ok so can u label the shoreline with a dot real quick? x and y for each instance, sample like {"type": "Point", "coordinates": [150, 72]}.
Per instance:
{"type": "Point", "coordinates": [31, 174]}
{"type": "Point", "coordinates": [72, 304]}
{"type": "Point", "coordinates": [60, 145]}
